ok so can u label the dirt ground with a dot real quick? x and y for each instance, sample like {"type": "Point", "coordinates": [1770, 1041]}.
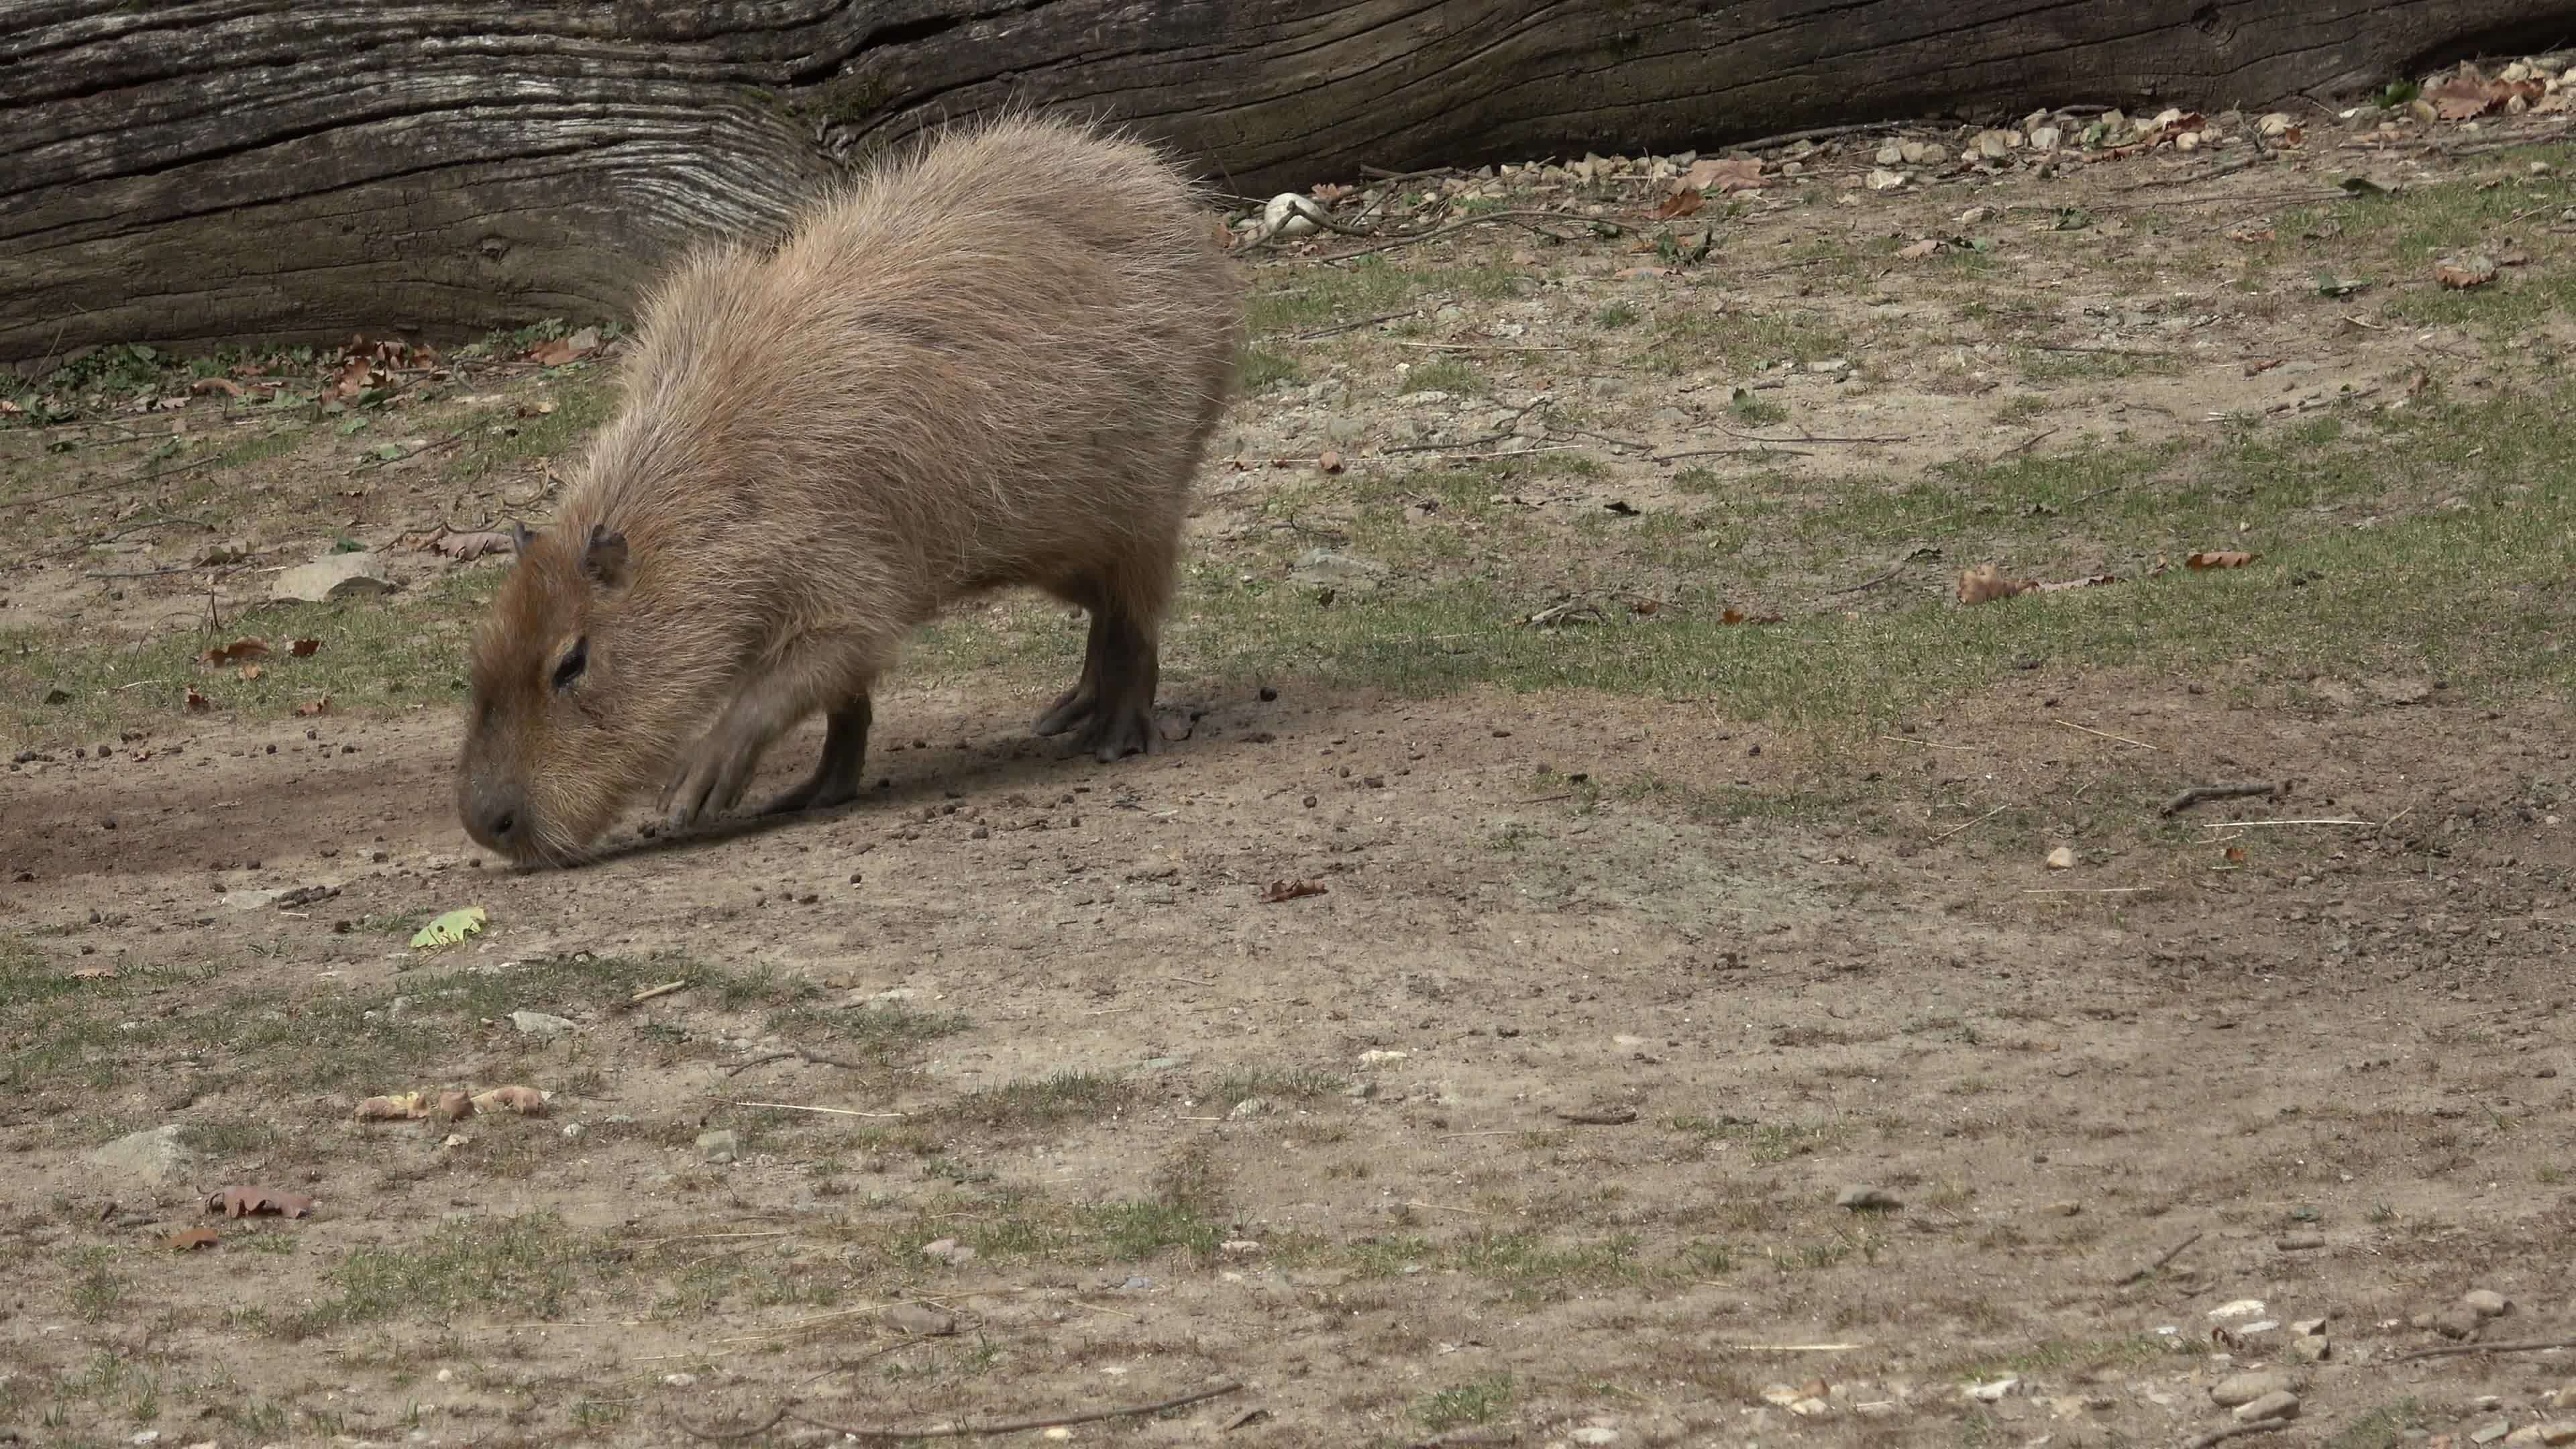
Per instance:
{"type": "Point", "coordinates": [1690, 1040]}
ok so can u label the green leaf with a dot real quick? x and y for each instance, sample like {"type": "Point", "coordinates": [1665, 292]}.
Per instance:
{"type": "Point", "coordinates": [451, 928]}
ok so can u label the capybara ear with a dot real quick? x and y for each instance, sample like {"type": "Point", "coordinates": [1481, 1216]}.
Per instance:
{"type": "Point", "coordinates": [605, 557]}
{"type": "Point", "coordinates": [520, 538]}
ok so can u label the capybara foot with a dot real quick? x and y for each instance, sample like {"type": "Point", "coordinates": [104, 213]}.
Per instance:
{"type": "Point", "coordinates": [815, 794]}
{"type": "Point", "coordinates": [710, 781]}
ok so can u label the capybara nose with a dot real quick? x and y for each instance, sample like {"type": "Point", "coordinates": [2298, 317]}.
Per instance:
{"type": "Point", "coordinates": [492, 818]}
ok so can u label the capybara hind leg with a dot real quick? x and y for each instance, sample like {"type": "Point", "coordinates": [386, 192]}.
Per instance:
{"type": "Point", "coordinates": [836, 775]}
{"type": "Point", "coordinates": [1076, 705]}
{"type": "Point", "coordinates": [812, 673]}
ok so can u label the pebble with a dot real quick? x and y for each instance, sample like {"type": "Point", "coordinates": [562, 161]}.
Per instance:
{"type": "Point", "coordinates": [920, 1320]}
{"type": "Point", "coordinates": [538, 1023]}
{"type": "Point", "coordinates": [1989, 1393]}
{"type": "Point", "coordinates": [721, 1145]}
{"type": "Point", "coordinates": [2486, 1303]}
{"type": "Point", "coordinates": [2279, 1405]}
{"type": "Point", "coordinates": [2459, 1322]}
{"type": "Point", "coordinates": [333, 577]}
{"type": "Point", "coordinates": [2237, 1390]}
{"type": "Point", "coordinates": [2299, 1242]}
{"type": "Point", "coordinates": [2489, 1433]}
{"type": "Point", "coordinates": [1248, 1108]}
{"type": "Point", "coordinates": [153, 1154]}
{"type": "Point", "coordinates": [1594, 1434]}
{"type": "Point", "coordinates": [2309, 1348]}
{"type": "Point", "coordinates": [948, 1250]}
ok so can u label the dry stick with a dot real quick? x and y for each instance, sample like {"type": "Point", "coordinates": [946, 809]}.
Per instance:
{"type": "Point", "coordinates": [2198, 793]}
{"type": "Point", "coordinates": [2123, 739]}
{"type": "Point", "coordinates": [2233, 1431]}
{"type": "Point", "coordinates": [2449, 1350]}
{"type": "Point", "coordinates": [2026, 444]}
{"type": "Point", "coordinates": [1811, 438]}
{"type": "Point", "coordinates": [978, 1431]}
{"type": "Point", "coordinates": [2168, 1256]}
{"type": "Point", "coordinates": [1335, 331]}
{"type": "Point", "coordinates": [1767, 452]}
{"type": "Point", "coordinates": [1980, 820]}
{"type": "Point", "coordinates": [827, 1111]}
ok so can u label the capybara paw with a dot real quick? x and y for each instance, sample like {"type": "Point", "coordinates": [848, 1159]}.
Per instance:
{"type": "Point", "coordinates": [813, 795]}
{"type": "Point", "coordinates": [1117, 733]}
{"type": "Point", "coordinates": [1071, 708]}
{"type": "Point", "coordinates": [711, 783]}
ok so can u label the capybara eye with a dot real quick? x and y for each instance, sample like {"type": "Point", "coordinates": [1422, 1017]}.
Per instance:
{"type": "Point", "coordinates": [573, 664]}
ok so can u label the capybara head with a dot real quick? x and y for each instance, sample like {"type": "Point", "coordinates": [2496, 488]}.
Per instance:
{"type": "Point", "coordinates": [551, 750]}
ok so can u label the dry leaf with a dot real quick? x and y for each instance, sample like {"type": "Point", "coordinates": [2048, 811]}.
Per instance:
{"type": "Point", "coordinates": [237, 1202]}
{"type": "Point", "coordinates": [526, 1101]}
{"type": "Point", "coordinates": [2062, 858]}
{"type": "Point", "coordinates": [2252, 234]}
{"type": "Point", "coordinates": [1986, 582]}
{"type": "Point", "coordinates": [2236, 854]}
{"type": "Point", "coordinates": [93, 973]}
{"type": "Point", "coordinates": [250, 671]}
{"type": "Point", "coordinates": [467, 546]}
{"type": "Point", "coordinates": [2261, 365]}
{"type": "Point", "coordinates": [226, 386]}
{"type": "Point", "coordinates": [1724, 173]}
{"type": "Point", "coordinates": [1917, 251]}
{"type": "Point", "coordinates": [401, 1106]}
{"type": "Point", "coordinates": [303, 648]}
{"type": "Point", "coordinates": [1647, 607]}
{"type": "Point", "coordinates": [1289, 890]}
{"type": "Point", "coordinates": [319, 706]}
{"type": "Point", "coordinates": [1328, 192]}
{"type": "Point", "coordinates": [1680, 204]}
{"type": "Point", "coordinates": [536, 409]}
{"type": "Point", "coordinates": [2469, 95]}
{"type": "Point", "coordinates": [237, 651]}
{"type": "Point", "coordinates": [1331, 462]}
{"type": "Point", "coordinates": [198, 703]}
{"type": "Point", "coordinates": [552, 354]}
{"type": "Point", "coordinates": [1738, 616]}
{"type": "Point", "coordinates": [2219, 560]}
{"type": "Point", "coordinates": [2471, 270]}
{"type": "Point", "coordinates": [192, 1238]}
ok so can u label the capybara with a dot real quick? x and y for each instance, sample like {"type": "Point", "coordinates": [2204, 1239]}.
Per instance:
{"type": "Point", "coordinates": [995, 360]}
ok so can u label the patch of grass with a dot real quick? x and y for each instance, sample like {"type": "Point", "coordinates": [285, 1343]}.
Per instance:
{"type": "Point", "coordinates": [1754, 410]}
{"type": "Point", "coordinates": [1283, 1084]}
{"type": "Point", "coordinates": [1479, 1401]}
{"type": "Point", "coordinates": [1617, 314]}
{"type": "Point", "coordinates": [583, 396]}
{"type": "Point", "coordinates": [528, 1267]}
{"type": "Point", "coordinates": [2384, 1427]}
{"type": "Point", "coordinates": [1261, 368]}
{"type": "Point", "coordinates": [1449, 375]}
{"type": "Point", "coordinates": [1066, 1096]}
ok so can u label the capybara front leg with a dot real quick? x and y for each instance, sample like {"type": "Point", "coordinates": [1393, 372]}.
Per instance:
{"type": "Point", "coordinates": [1121, 720]}
{"type": "Point", "coordinates": [811, 674]}
{"type": "Point", "coordinates": [836, 775]}
{"type": "Point", "coordinates": [1078, 704]}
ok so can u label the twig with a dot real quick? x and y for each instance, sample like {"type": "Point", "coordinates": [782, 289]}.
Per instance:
{"type": "Point", "coordinates": [2448, 1350]}
{"type": "Point", "coordinates": [2198, 793]}
{"type": "Point", "coordinates": [1980, 820]}
{"type": "Point", "coordinates": [829, 1111]}
{"type": "Point", "coordinates": [2250, 824]}
{"type": "Point", "coordinates": [1812, 438]}
{"type": "Point", "coordinates": [665, 989]}
{"type": "Point", "coordinates": [1893, 569]}
{"type": "Point", "coordinates": [1545, 799]}
{"type": "Point", "coordinates": [1927, 744]}
{"type": "Point", "coordinates": [1337, 330]}
{"type": "Point", "coordinates": [2123, 739]}
{"type": "Point", "coordinates": [1442, 1207]}
{"type": "Point", "coordinates": [2234, 1431]}
{"type": "Point", "coordinates": [2026, 444]}
{"type": "Point", "coordinates": [1516, 217]}
{"type": "Point", "coordinates": [2167, 1256]}
{"type": "Point", "coordinates": [2084, 890]}
{"type": "Point", "coordinates": [964, 1431]}
{"type": "Point", "coordinates": [1481, 347]}
{"type": "Point", "coordinates": [1767, 452]}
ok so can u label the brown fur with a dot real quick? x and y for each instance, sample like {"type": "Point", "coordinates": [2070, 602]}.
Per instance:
{"type": "Point", "coordinates": [994, 362]}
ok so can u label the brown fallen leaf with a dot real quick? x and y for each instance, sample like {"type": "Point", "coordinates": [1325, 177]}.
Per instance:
{"type": "Point", "coordinates": [93, 973]}
{"type": "Point", "coordinates": [1724, 173]}
{"type": "Point", "coordinates": [1289, 890]}
{"type": "Point", "coordinates": [189, 1239]}
{"type": "Point", "coordinates": [526, 1101]}
{"type": "Point", "coordinates": [250, 671]}
{"type": "Point", "coordinates": [536, 409]}
{"type": "Point", "coordinates": [2470, 270]}
{"type": "Point", "coordinates": [239, 1202]}
{"type": "Point", "coordinates": [1738, 616]}
{"type": "Point", "coordinates": [464, 547]}
{"type": "Point", "coordinates": [2257, 366]}
{"type": "Point", "coordinates": [237, 651]}
{"type": "Point", "coordinates": [224, 385]}
{"type": "Point", "coordinates": [2252, 234]}
{"type": "Point", "coordinates": [1647, 607]}
{"type": "Point", "coordinates": [319, 706]}
{"type": "Point", "coordinates": [198, 703]}
{"type": "Point", "coordinates": [303, 648]}
{"type": "Point", "coordinates": [1986, 583]}
{"type": "Point", "coordinates": [553, 354]}
{"type": "Point", "coordinates": [1681, 203]}
{"type": "Point", "coordinates": [1331, 462]}
{"type": "Point", "coordinates": [2469, 95]}
{"type": "Point", "coordinates": [1917, 251]}
{"type": "Point", "coordinates": [2210, 559]}
{"type": "Point", "coordinates": [2235, 854]}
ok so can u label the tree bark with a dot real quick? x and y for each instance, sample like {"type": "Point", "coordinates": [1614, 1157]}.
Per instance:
{"type": "Point", "coordinates": [214, 171]}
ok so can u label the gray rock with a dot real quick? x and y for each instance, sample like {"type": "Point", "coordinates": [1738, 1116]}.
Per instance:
{"type": "Point", "coordinates": [1334, 569]}
{"type": "Point", "coordinates": [538, 1023]}
{"type": "Point", "coordinates": [1248, 1108]}
{"type": "Point", "coordinates": [1345, 430]}
{"type": "Point", "coordinates": [920, 1321]}
{"type": "Point", "coordinates": [2280, 1405]}
{"type": "Point", "coordinates": [2486, 1303]}
{"type": "Point", "coordinates": [721, 1145]}
{"type": "Point", "coordinates": [2300, 1242]}
{"type": "Point", "coordinates": [2245, 1388]}
{"type": "Point", "coordinates": [2459, 1322]}
{"type": "Point", "coordinates": [153, 1155]}
{"type": "Point", "coordinates": [2308, 1348]}
{"type": "Point", "coordinates": [2489, 1433]}
{"type": "Point", "coordinates": [333, 576]}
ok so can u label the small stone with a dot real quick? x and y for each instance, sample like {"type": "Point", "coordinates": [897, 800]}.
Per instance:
{"type": "Point", "coordinates": [153, 1155]}
{"type": "Point", "coordinates": [1248, 1108]}
{"type": "Point", "coordinates": [2305, 1326]}
{"type": "Point", "coordinates": [680, 1380]}
{"type": "Point", "coordinates": [1594, 1434]}
{"type": "Point", "coordinates": [2238, 1308]}
{"type": "Point", "coordinates": [2045, 138]}
{"type": "Point", "coordinates": [2280, 1404]}
{"type": "Point", "coordinates": [1862, 1198]}
{"type": "Point", "coordinates": [538, 1023]}
{"type": "Point", "coordinates": [1381, 1058]}
{"type": "Point", "coordinates": [2062, 858]}
{"type": "Point", "coordinates": [1994, 145]}
{"type": "Point", "coordinates": [2563, 1432]}
{"type": "Point", "coordinates": [1994, 1392]}
{"type": "Point", "coordinates": [2486, 1303]}
{"type": "Point", "coordinates": [2066, 1208]}
{"type": "Point", "coordinates": [2308, 1348]}
{"type": "Point", "coordinates": [2237, 1390]}
{"type": "Point", "coordinates": [2489, 1433]}
{"type": "Point", "coordinates": [1289, 214]}
{"type": "Point", "coordinates": [2300, 1242]}
{"type": "Point", "coordinates": [721, 1145]}
{"type": "Point", "coordinates": [1891, 154]}
{"type": "Point", "coordinates": [1883, 179]}
{"type": "Point", "coordinates": [949, 1251]}
{"type": "Point", "coordinates": [2275, 123]}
